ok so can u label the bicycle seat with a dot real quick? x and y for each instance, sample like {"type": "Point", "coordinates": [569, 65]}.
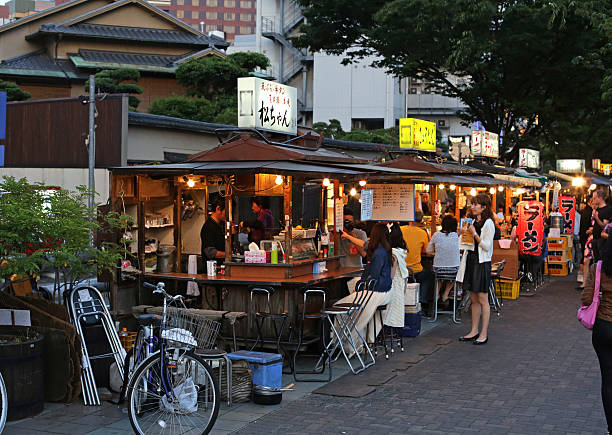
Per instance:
{"type": "Point", "coordinates": [149, 319]}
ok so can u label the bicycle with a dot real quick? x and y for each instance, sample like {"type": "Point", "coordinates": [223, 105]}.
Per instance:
{"type": "Point", "coordinates": [3, 403]}
{"type": "Point", "coordinates": [173, 389]}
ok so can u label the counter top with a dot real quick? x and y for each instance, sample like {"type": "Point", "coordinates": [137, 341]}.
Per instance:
{"type": "Point", "coordinates": [295, 263]}
{"type": "Point", "coordinates": [300, 281]}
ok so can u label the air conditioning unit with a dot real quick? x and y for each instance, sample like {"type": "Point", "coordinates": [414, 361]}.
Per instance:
{"type": "Point", "coordinates": [413, 90]}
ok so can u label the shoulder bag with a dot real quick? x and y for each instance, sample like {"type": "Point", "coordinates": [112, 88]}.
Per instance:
{"type": "Point", "coordinates": [587, 314]}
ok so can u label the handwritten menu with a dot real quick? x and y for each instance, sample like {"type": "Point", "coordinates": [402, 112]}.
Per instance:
{"type": "Point", "coordinates": [388, 202]}
{"type": "Point", "coordinates": [339, 215]}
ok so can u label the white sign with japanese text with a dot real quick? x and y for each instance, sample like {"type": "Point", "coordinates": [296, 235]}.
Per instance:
{"type": "Point", "coordinates": [485, 144]}
{"type": "Point", "coordinates": [267, 105]}
{"type": "Point", "coordinates": [529, 158]}
{"type": "Point", "coordinates": [388, 202]}
{"type": "Point", "coordinates": [570, 166]}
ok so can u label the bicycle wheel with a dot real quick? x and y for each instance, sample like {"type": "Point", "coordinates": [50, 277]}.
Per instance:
{"type": "Point", "coordinates": [185, 399]}
{"type": "Point", "coordinates": [3, 403]}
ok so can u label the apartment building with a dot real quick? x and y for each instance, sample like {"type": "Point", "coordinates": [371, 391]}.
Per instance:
{"type": "Point", "coordinates": [233, 17]}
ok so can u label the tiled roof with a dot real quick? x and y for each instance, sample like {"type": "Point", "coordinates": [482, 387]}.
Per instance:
{"type": "Point", "coordinates": [130, 34]}
{"type": "Point", "coordinates": [160, 60]}
{"type": "Point", "coordinates": [39, 63]}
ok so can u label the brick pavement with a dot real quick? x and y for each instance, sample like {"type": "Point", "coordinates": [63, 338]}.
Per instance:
{"type": "Point", "coordinates": [530, 378]}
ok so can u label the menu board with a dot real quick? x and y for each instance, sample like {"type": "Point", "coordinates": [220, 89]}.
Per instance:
{"type": "Point", "coordinates": [388, 202]}
{"type": "Point", "coordinates": [339, 215]}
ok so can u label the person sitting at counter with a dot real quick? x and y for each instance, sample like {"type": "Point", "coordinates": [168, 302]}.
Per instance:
{"type": "Point", "coordinates": [352, 246]}
{"type": "Point", "coordinates": [417, 239]}
{"type": "Point", "coordinates": [380, 258]}
{"type": "Point", "coordinates": [264, 216]}
{"type": "Point", "coordinates": [212, 234]}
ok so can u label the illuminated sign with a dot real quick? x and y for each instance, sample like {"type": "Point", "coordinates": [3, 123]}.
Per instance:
{"type": "Point", "coordinates": [606, 168]}
{"type": "Point", "coordinates": [267, 105]}
{"type": "Point", "coordinates": [529, 158]}
{"type": "Point", "coordinates": [485, 144]}
{"type": "Point", "coordinates": [417, 134]}
{"type": "Point", "coordinates": [570, 166]}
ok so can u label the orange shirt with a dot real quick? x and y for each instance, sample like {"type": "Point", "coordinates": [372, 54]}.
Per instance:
{"type": "Point", "coordinates": [416, 241]}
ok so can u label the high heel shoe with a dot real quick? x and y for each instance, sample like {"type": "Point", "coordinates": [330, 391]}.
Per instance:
{"type": "Point", "coordinates": [464, 338]}
{"type": "Point", "coordinates": [478, 343]}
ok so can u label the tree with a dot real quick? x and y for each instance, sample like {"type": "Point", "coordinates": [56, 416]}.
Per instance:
{"type": "Point", "coordinates": [13, 92]}
{"type": "Point", "coordinates": [46, 226]}
{"type": "Point", "coordinates": [211, 85]}
{"type": "Point", "coordinates": [112, 81]}
{"type": "Point", "coordinates": [516, 64]}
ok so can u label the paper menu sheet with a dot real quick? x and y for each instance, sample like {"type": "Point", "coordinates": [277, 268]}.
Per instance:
{"type": "Point", "coordinates": [467, 239]}
{"type": "Point", "coordinates": [390, 202]}
{"type": "Point", "coordinates": [339, 215]}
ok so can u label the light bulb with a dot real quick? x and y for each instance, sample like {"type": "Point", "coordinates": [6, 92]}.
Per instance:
{"type": "Point", "coordinates": [362, 183]}
{"type": "Point", "coordinates": [353, 191]}
{"type": "Point", "coordinates": [578, 182]}
{"type": "Point", "coordinates": [279, 180]}
{"type": "Point", "coordinates": [427, 188]}
{"type": "Point", "coordinates": [441, 186]}
{"type": "Point", "coordinates": [492, 190]}
{"type": "Point", "coordinates": [473, 191]}
{"type": "Point", "coordinates": [190, 183]}
{"type": "Point", "coordinates": [593, 187]}
{"type": "Point", "coordinates": [452, 187]}
{"type": "Point", "coordinates": [326, 182]}
{"type": "Point", "coordinates": [500, 188]}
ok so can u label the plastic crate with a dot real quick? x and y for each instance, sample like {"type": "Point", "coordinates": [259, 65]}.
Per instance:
{"type": "Point", "coordinates": [267, 368]}
{"type": "Point", "coordinates": [556, 269]}
{"type": "Point", "coordinates": [557, 243]}
{"type": "Point", "coordinates": [509, 289]}
{"type": "Point", "coordinates": [558, 256]}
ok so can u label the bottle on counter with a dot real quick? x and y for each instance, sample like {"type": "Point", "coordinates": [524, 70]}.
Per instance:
{"type": "Point", "coordinates": [274, 253]}
{"type": "Point", "coordinates": [325, 242]}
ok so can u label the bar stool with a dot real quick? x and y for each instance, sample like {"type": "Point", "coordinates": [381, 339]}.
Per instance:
{"type": "Point", "coordinates": [378, 343]}
{"type": "Point", "coordinates": [322, 317]}
{"type": "Point", "coordinates": [267, 313]}
{"type": "Point", "coordinates": [496, 270]}
{"type": "Point", "coordinates": [448, 274]}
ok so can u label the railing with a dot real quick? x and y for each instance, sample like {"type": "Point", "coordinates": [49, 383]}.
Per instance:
{"type": "Point", "coordinates": [292, 16]}
{"type": "Point", "coordinates": [267, 24]}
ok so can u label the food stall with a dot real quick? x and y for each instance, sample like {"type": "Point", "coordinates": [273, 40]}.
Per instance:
{"type": "Point", "coordinates": [300, 180]}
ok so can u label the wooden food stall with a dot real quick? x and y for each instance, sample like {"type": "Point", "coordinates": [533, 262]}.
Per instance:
{"type": "Point", "coordinates": [302, 185]}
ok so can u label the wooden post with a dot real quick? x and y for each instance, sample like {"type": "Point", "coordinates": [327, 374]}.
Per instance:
{"type": "Point", "coordinates": [433, 198]}
{"type": "Point", "coordinates": [178, 240]}
{"type": "Point", "coordinates": [537, 195]}
{"type": "Point", "coordinates": [335, 236]}
{"type": "Point", "coordinates": [547, 196]}
{"type": "Point", "coordinates": [457, 195]}
{"type": "Point", "coordinates": [288, 212]}
{"type": "Point", "coordinates": [508, 200]}
{"type": "Point", "coordinates": [228, 223]}
{"type": "Point", "coordinates": [494, 202]}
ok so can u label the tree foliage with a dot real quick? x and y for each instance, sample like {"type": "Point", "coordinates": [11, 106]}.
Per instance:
{"type": "Point", "coordinates": [532, 69]}
{"type": "Point", "coordinates": [211, 86]}
{"type": "Point", "coordinates": [46, 226]}
{"type": "Point", "coordinates": [13, 92]}
{"type": "Point", "coordinates": [118, 81]}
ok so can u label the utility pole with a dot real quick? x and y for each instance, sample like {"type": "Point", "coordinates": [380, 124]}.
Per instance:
{"type": "Point", "coordinates": [92, 140]}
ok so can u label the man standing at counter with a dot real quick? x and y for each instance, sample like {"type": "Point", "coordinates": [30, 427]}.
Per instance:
{"type": "Point", "coordinates": [213, 233]}
{"type": "Point", "coordinates": [264, 216]}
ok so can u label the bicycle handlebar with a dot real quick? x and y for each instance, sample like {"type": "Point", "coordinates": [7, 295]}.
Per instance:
{"type": "Point", "coordinates": [159, 289]}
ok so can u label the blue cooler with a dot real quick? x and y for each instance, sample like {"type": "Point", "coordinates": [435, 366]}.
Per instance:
{"type": "Point", "coordinates": [412, 325]}
{"type": "Point", "coordinates": [267, 368]}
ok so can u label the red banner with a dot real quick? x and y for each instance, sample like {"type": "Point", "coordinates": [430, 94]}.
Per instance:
{"type": "Point", "coordinates": [530, 230]}
{"type": "Point", "coordinates": [567, 207]}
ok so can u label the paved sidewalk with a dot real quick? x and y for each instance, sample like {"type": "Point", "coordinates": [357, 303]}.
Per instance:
{"type": "Point", "coordinates": [530, 378]}
{"type": "Point", "coordinates": [537, 375]}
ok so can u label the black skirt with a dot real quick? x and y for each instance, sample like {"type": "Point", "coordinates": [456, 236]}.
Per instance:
{"type": "Point", "coordinates": [477, 276]}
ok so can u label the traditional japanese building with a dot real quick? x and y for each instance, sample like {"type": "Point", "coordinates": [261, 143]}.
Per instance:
{"type": "Point", "coordinates": [51, 53]}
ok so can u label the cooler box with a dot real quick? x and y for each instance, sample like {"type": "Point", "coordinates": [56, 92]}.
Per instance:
{"type": "Point", "coordinates": [412, 323]}
{"type": "Point", "coordinates": [267, 368]}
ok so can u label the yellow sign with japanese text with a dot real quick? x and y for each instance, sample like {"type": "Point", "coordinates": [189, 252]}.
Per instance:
{"type": "Point", "coordinates": [417, 134]}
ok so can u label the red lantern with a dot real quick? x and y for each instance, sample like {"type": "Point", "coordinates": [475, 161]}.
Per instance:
{"type": "Point", "coordinates": [567, 207]}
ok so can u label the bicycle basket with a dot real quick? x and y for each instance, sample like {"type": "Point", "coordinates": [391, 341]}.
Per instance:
{"type": "Point", "coordinates": [190, 329]}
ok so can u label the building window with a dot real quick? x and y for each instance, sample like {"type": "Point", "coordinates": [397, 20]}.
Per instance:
{"type": "Point", "coordinates": [195, 2]}
{"type": "Point", "coordinates": [246, 17]}
{"type": "Point", "coordinates": [368, 123]}
{"type": "Point", "coordinates": [230, 3]}
{"type": "Point", "coordinates": [245, 4]}
{"type": "Point", "coordinates": [211, 15]}
{"type": "Point", "coordinates": [245, 30]}
{"type": "Point", "coordinates": [211, 27]}
{"type": "Point", "coordinates": [180, 2]}
{"type": "Point", "coordinates": [229, 29]}
{"type": "Point", "coordinates": [180, 14]}
{"type": "Point", "coordinates": [211, 2]}
{"type": "Point", "coordinates": [230, 16]}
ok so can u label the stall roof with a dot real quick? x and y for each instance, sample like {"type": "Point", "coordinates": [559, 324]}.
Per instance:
{"type": "Point", "coordinates": [464, 180]}
{"type": "Point", "coordinates": [247, 147]}
{"type": "Point", "coordinates": [490, 169]}
{"type": "Point", "coordinates": [238, 167]}
{"type": "Point", "coordinates": [521, 181]}
{"type": "Point", "coordinates": [598, 179]}
{"type": "Point", "coordinates": [421, 165]}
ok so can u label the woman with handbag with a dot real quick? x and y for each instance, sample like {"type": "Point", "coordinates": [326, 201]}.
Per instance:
{"type": "Point", "coordinates": [600, 284]}
{"type": "Point", "coordinates": [477, 277]}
